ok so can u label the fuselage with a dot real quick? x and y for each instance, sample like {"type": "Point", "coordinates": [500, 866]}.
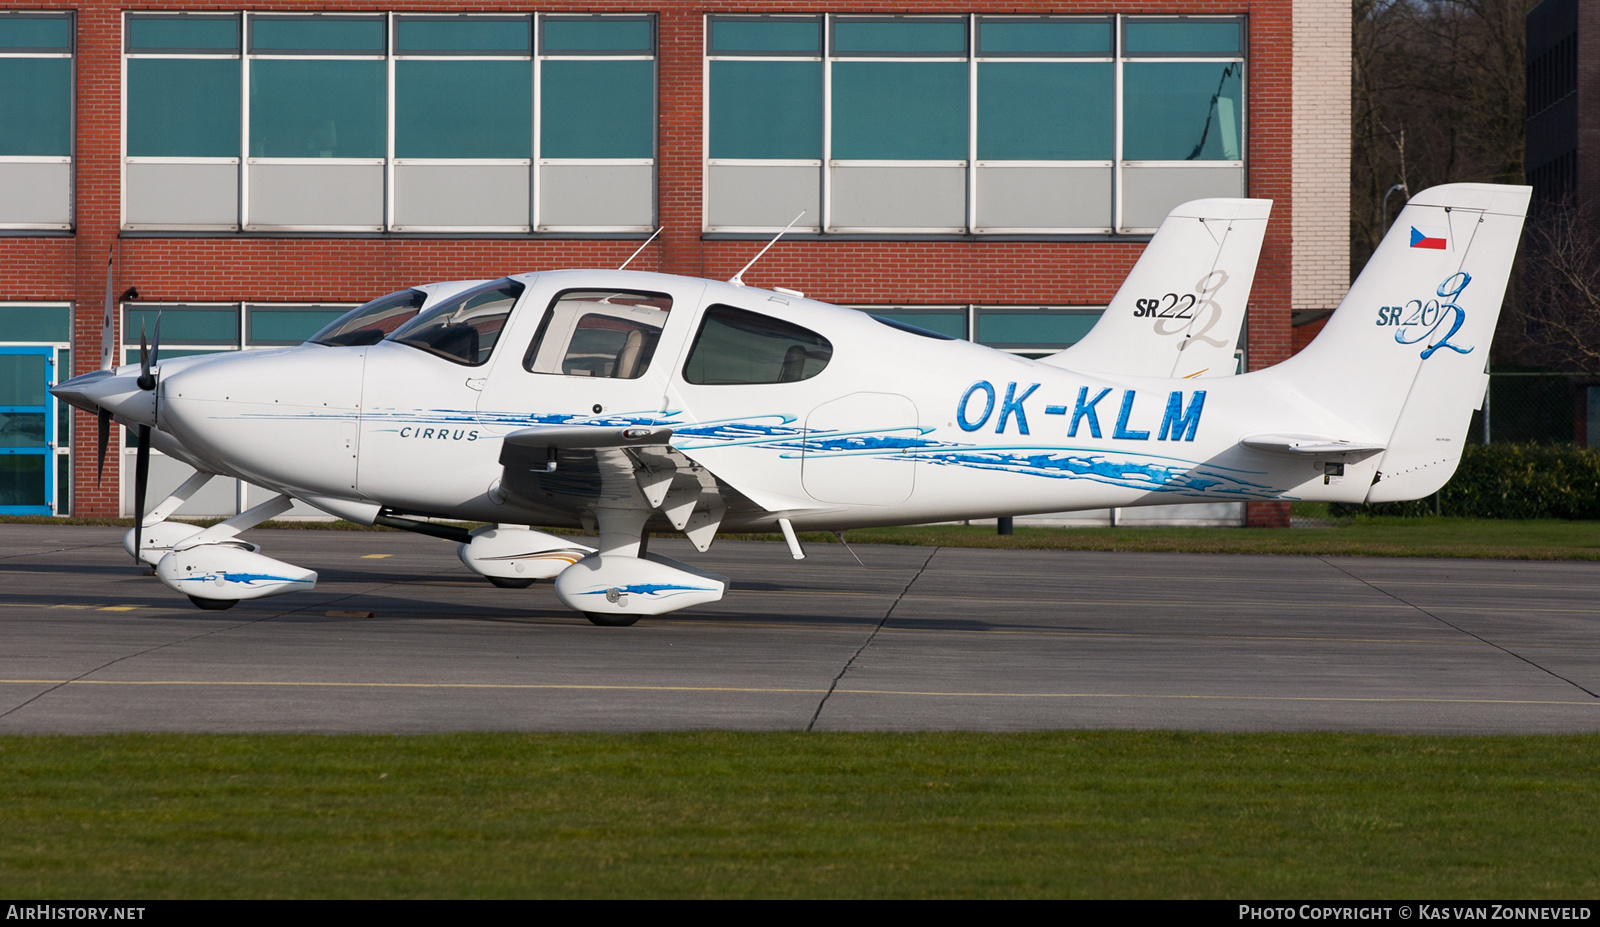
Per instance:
{"type": "Point", "coordinates": [826, 415]}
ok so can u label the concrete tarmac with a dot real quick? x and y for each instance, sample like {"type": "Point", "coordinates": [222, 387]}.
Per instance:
{"type": "Point", "coordinates": [914, 639]}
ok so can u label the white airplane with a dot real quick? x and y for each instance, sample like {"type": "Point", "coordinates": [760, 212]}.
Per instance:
{"type": "Point", "coordinates": [627, 403]}
{"type": "Point", "coordinates": [1179, 313]}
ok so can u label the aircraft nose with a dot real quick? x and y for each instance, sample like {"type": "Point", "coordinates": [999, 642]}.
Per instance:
{"type": "Point", "coordinates": [289, 417]}
{"type": "Point", "coordinates": [116, 391]}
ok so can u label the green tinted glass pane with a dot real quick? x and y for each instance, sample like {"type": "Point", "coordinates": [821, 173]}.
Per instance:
{"type": "Point", "coordinates": [288, 326]}
{"type": "Point", "coordinates": [36, 106]}
{"type": "Point", "coordinates": [1029, 328]}
{"type": "Point", "coordinates": [939, 36]}
{"type": "Point", "coordinates": [1043, 38]}
{"type": "Point", "coordinates": [1182, 111]}
{"type": "Point", "coordinates": [35, 323]}
{"type": "Point", "coordinates": [463, 109]}
{"type": "Point", "coordinates": [268, 34]}
{"type": "Point", "coordinates": [181, 326]}
{"type": "Point", "coordinates": [464, 35]}
{"type": "Point", "coordinates": [1183, 38]}
{"type": "Point", "coordinates": [183, 107]}
{"type": "Point", "coordinates": [63, 411]}
{"type": "Point", "coordinates": [317, 109]}
{"type": "Point", "coordinates": [63, 483]}
{"type": "Point", "coordinates": [22, 479]}
{"type": "Point", "coordinates": [187, 33]}
{"type": "Point", "coordinates": [953, 323]}
{"type": "Point", "coordinates": [597, 109]}
{"type": "Point", "coordinates": [39, 33]}
{"type": "Point", "coordinates": [597, 35]}
{"type": "Point", "coordinates": [21, 429]}
{"type": "Point", "coordinates": [23, 378]}
{"type": "Point", "coordinates": [766, 109]}
{"type": "Point", "coordinates": [894, 110]}
{"type": "Point", "coordinates": [802, 36]}
{"type": "Point", "coordinates": [1046, 111]}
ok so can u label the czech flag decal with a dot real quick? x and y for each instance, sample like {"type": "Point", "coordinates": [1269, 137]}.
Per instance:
{"type": "Point", "coordinates": [1429, 237]}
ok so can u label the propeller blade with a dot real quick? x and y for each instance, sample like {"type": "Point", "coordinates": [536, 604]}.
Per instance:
{"type": "Point", "coordinates": [155, 343]}
{"type": "Point", "coordinates": [145, 381]}
{"type": "Point", "coordinates": [107, 351]}
{"type": "Point", "coordinates": [102, 438]}
{"type": "Point", "coordinates": [141, 481]}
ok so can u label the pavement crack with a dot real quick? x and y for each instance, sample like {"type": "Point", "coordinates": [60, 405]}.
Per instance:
{"type": "Point", "coordinates": [866, 643]}
{"type": "Point", "coordinates": [1459, 629]}
{"type": "Point", "coordinates": [127, 656]}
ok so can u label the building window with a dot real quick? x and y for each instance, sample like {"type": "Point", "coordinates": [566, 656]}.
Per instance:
{"type": "Point", "coordinates": [389, 122]}
{"type": "Point", "coordinates": [969, 124]}
{"type": "Point", "coordinates": [36, 120]}
{"type": "Point", "coordinates": [1032, 331]}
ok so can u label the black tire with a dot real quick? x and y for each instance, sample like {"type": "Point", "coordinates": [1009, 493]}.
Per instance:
{"type": "Point", "coordinates": [611, 621]}
{"type": "Point", "coordinates": [213, 605]}
{"type": "Point", "coordinates": [505, 583]}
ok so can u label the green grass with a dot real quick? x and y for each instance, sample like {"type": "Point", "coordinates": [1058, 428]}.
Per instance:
{"type": "Point", "coordinates": [1546, 539]}
{"type": "Point", "coordinates": [1366, 536]}
{"type": "Point", "coordinates": [702, 814]}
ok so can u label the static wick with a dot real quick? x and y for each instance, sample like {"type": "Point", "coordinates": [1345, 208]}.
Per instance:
{"type": "Point", "coordinates": [840, 536]}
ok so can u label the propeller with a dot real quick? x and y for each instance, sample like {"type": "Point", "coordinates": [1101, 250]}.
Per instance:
{"type": "Point", "coordinates": [141, 461]}
{"type": "Point", "coordinates": [107, 352]}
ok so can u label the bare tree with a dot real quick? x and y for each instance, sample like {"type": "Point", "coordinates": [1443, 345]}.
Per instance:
{"type": "Point", "coordinates": [1437, 98]}
{"type": "Point", "coordinates": [1561, 306]}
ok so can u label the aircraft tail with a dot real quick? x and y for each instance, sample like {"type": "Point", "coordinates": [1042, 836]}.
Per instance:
{"type": "Point", "coordinates": [1179, 312]}
{"type": "Point", "coordinates": [1404, 358]}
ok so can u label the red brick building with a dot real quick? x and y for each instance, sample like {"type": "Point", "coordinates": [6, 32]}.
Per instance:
{"type": "Point", "coordinates": [991, 169]}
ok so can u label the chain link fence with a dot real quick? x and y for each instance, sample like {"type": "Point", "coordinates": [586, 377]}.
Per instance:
{"type": "Point", "coordinates": [1539, 408]}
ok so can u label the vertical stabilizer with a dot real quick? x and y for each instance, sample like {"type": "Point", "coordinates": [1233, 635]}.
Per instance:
{"type": "Point", "coordinates": [1180, 311]}
{"type": "Point", "coordinates": [1403, 359]}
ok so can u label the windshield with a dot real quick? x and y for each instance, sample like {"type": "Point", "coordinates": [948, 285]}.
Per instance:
{"type": "Point", "coordinates": [465, 328]}
{"type": "Point", "coordinates": [371, 323]}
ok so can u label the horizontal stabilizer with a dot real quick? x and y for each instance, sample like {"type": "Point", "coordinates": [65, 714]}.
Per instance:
{"type": "Point", "coordinates": [586, 436]}
{"type": "Point", "coordinates": [1307, 445]}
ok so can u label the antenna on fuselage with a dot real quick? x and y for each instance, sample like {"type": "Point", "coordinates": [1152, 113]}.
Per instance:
{"type": "Point", "coordinates": [646, 244]}
{"type": "Point", "coordinates": [738, 278]}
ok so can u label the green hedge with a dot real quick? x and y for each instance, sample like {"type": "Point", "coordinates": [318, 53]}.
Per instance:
{"type": "Point", "coordinates": [1510, 481]}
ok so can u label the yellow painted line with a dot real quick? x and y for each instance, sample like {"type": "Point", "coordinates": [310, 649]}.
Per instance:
{"type": "Point", "coordinates": [118, 608]}
{"type": "Point", "coordinates": [1590, 703]}
{"type": "Point", "coordinates": [70, 606]}
{"type": "Point", "coordinates": [375, 556]}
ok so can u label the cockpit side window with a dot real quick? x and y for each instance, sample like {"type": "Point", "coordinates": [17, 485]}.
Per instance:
{"type": "Point", "coordinates": [372, 322]}
{"type": "Point", "coordinates": [465, 328]}
{"type": "Point", "coordinates": [734, 346]}
{"type": "Point", "coordinates": [598, 333]}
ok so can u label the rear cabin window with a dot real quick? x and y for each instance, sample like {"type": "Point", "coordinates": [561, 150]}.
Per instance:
{"type": "Point", "coordinates": [464, 328]}
{"type": "Point", "coordinates": [598, 333]}
{"type": "Point", "coordinates": [735, 347]}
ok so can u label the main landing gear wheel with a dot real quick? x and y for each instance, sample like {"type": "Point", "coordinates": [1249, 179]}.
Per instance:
{"type": "Point", "coordinates": [213, 605]}
{"type": "Point", "coordinates": [507, 583]}
{"type": "Point", "coordinates": [610, 621]}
